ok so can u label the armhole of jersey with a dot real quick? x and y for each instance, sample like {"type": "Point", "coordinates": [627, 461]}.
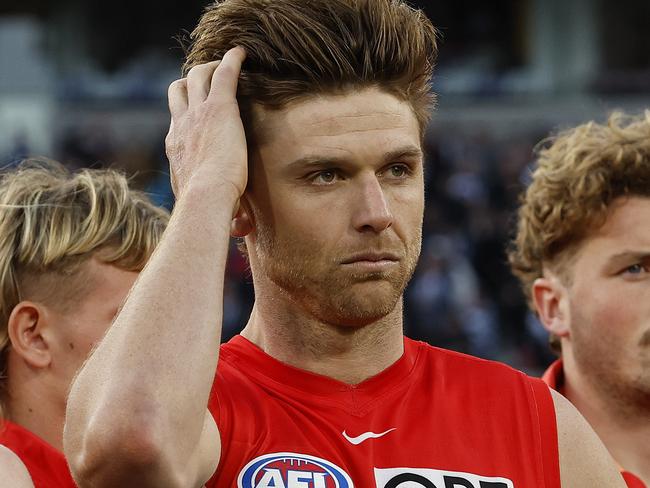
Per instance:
{"type": "Point", "coordinates": [547, 422]}
{"type": "Point", "coordinates": [632, 481]}
{"type": "Point", "coordinates": [220, 414]}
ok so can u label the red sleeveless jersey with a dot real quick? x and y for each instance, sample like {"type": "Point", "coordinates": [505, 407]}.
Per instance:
{"type": "Point", "coordinates": [434, 419]}
{"type": "Point", "coordinates": [46, 465]}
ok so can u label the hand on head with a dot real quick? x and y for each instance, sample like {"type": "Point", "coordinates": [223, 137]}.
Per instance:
{"type": "Point", "coordinates": [206, 143]}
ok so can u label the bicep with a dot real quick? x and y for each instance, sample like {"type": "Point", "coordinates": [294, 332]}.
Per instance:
{"type": "Point", "coordinates": [584, 460]}
{"type": "Point", "coordinates": [14, 472]}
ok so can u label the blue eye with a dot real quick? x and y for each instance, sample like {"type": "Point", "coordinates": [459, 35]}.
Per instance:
{"type": "Point", "coordinates": [636, 269]}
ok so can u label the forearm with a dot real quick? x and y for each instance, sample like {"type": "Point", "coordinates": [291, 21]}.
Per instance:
{"type": "Point", "coordinates": [149, 379]}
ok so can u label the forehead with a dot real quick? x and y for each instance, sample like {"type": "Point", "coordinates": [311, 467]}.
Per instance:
{"type": "Point", "coordinates": [627, 220]}
{"type": "Point", "coordinates": [625, 229]}
{"type": "Point", "coordinates": [356, 123]}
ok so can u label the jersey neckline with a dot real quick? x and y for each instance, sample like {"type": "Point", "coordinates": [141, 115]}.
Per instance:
{"type": "Point", "coordinates": [264, 367]}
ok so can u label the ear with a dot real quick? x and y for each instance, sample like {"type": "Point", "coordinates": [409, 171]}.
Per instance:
{"type": "Point", "coordinates": [25, 326]}
{"type": "Point", "coordinates": [242, 223]}
{"type": "Point", "coordinates": [551, 299]}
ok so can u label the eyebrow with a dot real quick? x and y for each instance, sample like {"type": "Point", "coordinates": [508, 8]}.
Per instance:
{"type": "Point", "coordinates": [409, 152]}
{"type": "Point", "coordinates": [626, 256]}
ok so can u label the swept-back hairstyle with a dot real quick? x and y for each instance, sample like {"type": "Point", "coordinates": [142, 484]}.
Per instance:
{"type": "Point", "coordinates": [53, 221]}
{"type": "Point", "coordinates": [579, 173]}
{"type": "Point", "coordinates": [299, 48]}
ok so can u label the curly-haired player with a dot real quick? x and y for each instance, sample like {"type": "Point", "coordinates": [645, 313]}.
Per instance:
{"type": "Point", "coordinates": [311, 151]}
{"type": "Point", "coordinates": [71, 246]}
{"type": "Point", "coordinates": [582, 253]}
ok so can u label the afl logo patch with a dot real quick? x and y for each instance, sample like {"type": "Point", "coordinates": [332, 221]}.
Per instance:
{"type": "Point", "coordinates": [291, 470]}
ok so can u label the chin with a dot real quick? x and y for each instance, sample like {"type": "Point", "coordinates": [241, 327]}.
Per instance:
{"type": "Point", "coordinates": [360, 309]}
{"type": "Point", "coordinates": [357, 321]}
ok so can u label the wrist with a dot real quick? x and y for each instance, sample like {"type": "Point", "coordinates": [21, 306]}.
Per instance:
{"type": "Point", "coordinates": [204, 193]}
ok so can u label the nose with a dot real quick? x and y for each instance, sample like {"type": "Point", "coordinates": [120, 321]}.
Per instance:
{"type": "Point", "coordinates": [371, 211]}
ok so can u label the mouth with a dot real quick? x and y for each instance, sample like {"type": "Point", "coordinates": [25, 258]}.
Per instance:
{"type": "Point", "coordinates": [372, 258]}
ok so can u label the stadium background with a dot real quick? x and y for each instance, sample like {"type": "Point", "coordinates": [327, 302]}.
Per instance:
{"type": "Point", "coordinates": [85, 83]}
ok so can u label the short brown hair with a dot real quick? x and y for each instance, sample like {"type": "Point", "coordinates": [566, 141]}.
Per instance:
{"type": "Point", "coordinates": [579, 173]}
{"type": "Point", "coordinates": [52, 221]}
{"type": "Point", "coordinates": [298, 48]}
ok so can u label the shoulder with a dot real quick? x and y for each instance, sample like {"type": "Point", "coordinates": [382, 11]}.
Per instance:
{"type": "Point", "coordinates": [470, 380]}
{"type": "Point", "coordinates": [466, 367]}
{"type": "Point", "coordinates": [14, 472]}
{"type": "Point", "coordinates": [584, 460]}
{"type": "Point", "coordinates": [453, 357]}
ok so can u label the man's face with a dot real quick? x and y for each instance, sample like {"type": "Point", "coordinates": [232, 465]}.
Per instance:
{"type": "Point", "coordinates": [609, 338]}
{"type": "Point", "coordinates": [337, 197]}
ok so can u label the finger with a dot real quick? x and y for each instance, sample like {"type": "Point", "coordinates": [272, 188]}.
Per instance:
{"type": "Point", "coordinates": [198, 82]}
{"type": "Point", "coordinates": [226, 76]}
{"type": "Point", "coordinates": [177, 96]}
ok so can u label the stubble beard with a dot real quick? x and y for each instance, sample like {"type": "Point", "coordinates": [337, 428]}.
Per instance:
{"type": "Point", "coordinates": [327, 291]}
{"type": "Point", "coordinates": [625, 393]}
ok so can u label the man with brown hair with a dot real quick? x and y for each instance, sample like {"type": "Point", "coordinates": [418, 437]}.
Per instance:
{"type": "Point", "coordinates": [71, 246]}
{"type": "Point", "coordinates": [311, 151]}
{"type": "Point", "coordinates": [582, 253]}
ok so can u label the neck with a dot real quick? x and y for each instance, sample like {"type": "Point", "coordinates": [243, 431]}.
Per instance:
{"type": "Point", "coordinates": [31, 405]}
{"type": "Point", "coordinates": [625, 430]}
{"type": "Point", "coordinates": [348, 354]}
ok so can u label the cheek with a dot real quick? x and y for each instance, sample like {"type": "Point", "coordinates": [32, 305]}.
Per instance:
{"type": "Point", "coordinates": [309, 234]}
{"type": "Point", "coordinates": [86, 336]}
{"type": "Point", "coordinates": [311, 218]}
{"type": "Point", "coordinates": [407, 208]}
{"type": "Point", "coordinates": [410, 194]}
{"type": "Point", "coordinates": [607, 315]}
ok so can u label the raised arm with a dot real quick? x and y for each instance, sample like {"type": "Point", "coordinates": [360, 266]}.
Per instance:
{"type": "Point", "coordinates": [13, 473]}
{"type": "Point", "coordinates": [137, 411]}
{"type": "Point", "coordinates": [584, 460]}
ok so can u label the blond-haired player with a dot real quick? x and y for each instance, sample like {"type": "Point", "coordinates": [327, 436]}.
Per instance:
{"type": "Point", "coordinates": [582, 253]}
{"type": "Point", "coordinates": [71, 247]}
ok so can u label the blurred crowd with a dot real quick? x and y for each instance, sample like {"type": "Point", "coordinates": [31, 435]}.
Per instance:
{"type": "Point", "coordinates": [462, 296]}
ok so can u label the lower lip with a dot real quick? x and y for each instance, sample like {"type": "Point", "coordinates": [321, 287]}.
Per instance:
{"type": "Point", "coordinates": [372, 265]}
